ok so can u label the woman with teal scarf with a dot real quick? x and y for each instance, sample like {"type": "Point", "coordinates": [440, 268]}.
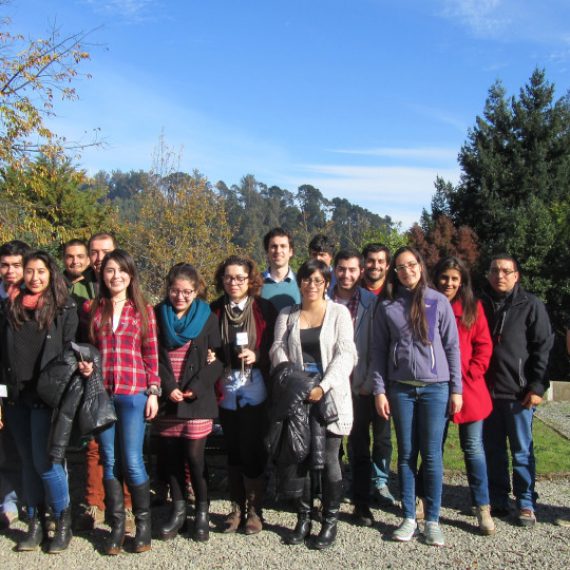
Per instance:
{"type": "Point", "coordinates": [188, 335]}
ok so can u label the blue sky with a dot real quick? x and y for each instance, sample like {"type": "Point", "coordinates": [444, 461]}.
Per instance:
{"type": "Point", "coordinates": [364, 99]}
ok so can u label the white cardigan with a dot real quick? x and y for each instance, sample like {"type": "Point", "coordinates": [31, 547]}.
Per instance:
{"type": "Point", "coordinates": [338, 355]}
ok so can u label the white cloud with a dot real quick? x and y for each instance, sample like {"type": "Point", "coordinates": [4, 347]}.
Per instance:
{"type": "Point", "coordinates": [132, 9]}
{"type": "Point", "coordinates": [482, 16]}
{"type": "Point", "coordinates": [419, 153]}
{"type": "Point", "coordinates": [399, 192]}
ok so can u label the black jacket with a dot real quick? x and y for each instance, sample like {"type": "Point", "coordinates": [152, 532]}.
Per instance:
{"type": "Point", "coordinates": [73, 397]}
{"type": "Point", "coordinates": [61, 332]}
{"type": "Point", "coordinates": [197, 376]}
{"type": "Point", "coordinates": [522, 339]}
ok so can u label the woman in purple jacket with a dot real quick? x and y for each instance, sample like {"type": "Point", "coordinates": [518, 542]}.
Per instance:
{"type": "Point", "coordinates": [416, 372]}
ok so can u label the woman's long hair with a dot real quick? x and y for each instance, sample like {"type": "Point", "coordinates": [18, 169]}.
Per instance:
{"type": "Point", "coordinates": [417, 316]}
{"type": "Point", "coordinates": [134, 292]}
{"type": "Point", "coordinates": [465, 291]}
{"type": "Point", "coordinates": [53, 299]}
{"type": "Point", "coordinates": [255, 281]}
{"type": "Point", "coordinates": [188, 272]}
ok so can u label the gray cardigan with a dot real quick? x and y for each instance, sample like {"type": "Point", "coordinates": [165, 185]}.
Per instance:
{"type": "Point", "coordinates": [338, 355]}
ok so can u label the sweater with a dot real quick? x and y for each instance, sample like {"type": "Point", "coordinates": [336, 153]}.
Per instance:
{"type": "Point", "coordinates": [338, 355]}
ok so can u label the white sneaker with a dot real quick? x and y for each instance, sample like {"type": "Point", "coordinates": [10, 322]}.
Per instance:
{"type": "Point", "coordinates": [406, 531]}
{"type": "Point", "coordinates": [433, 535]}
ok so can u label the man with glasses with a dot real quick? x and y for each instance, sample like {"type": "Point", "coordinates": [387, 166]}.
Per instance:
{"type": "Point", "coordinates": [522, 339]}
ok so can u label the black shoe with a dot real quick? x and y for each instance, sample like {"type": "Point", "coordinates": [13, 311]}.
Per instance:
{"type": "Point", "coordinates": [362, 515]}
{"type": "Point", "coordinates": [140, 495]}
{"type": "Point", "coordinates": [34, 535]}
{"type": "Point", "coordinates": [115, 509]}
{"type": "Point", "coordinates": [63, 534]}
{"type": "Point", "coordinates": [332, 493]}
{"type": "Point", "coordinates": [202, 522]}
{"type": "Point", "coordinates": [301, 531]}
{"type": "Point", "coordinates": [170, 529]}
{"type": "Point", "coordinates": [500, 512]}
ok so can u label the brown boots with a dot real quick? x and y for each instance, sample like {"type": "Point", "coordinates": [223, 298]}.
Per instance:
{"type": "Point", "coordinates": [244, 491]}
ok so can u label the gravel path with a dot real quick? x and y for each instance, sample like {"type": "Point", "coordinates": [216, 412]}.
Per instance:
{"type": "Point", "coordinates": [547, 546]}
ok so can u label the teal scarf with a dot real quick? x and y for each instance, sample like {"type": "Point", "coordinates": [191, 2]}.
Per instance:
{"type": "Point", "coordinates": [175, 332]}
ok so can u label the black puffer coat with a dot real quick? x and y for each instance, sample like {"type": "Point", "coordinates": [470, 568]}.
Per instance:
{"type": "Point", "coordinates": [297, 429]}
{"type": "Point", "coordinates": [71, 396]}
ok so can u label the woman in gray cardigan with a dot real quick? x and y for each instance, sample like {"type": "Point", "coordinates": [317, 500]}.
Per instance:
{"type": "Point", "coordinates": [317, 337]}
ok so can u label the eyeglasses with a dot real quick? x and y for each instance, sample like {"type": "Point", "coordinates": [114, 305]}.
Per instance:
{"type": "Point", "coordinates": [239, 279]}
{"type": "Point", "coordinates": [406, 266]}
{"type": "Point", "coordinates": [315, 282]}
{"type": "Point", "coordinates": [496, 271]}
{"type": "Point", "coordinates": [186, 293]}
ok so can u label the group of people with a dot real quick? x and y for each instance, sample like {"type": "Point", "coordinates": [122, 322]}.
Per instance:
{"type": "Point", "coordinates": [290, 363]}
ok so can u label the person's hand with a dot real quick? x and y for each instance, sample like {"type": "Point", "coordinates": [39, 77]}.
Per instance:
{"type": "Point", "coordinates": [248, 356]}
{"type": "Point", "coordinates": [531, 400]}
{"type": "Point", "coordinates": [151, 408]}
{"type": "Point", "coordinates": [211, 356]}
{"type": "Point", "coordinates": [176, 395]}
{"type": "Point", "coordinates": [382, 406]}
{"type": "Point", "coordinates": [85, 368]}
{"type": "Point", "coordinates": [455, 403]}
{"type": "Point", "coordinates": [315, 395]}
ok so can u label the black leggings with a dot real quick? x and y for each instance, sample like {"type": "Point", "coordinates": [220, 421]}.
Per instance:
{"type": "Point", "coordinates": [178, 453]}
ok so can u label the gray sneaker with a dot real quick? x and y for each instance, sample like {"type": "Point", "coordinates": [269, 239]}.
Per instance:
{"type": "Point", "coordinates": [433, 535]}
{"type": "Point", "coordinates": [406, 531]}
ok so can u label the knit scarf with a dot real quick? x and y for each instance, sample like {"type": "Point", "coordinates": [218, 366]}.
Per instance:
{"type": "Point", "coordinates": [177, 332]}
{"type": "Point", "coordinates": [31, 301]}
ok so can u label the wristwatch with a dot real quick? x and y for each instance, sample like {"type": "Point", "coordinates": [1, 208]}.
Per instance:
{"type": "Point", "coordinates": [154, 390]}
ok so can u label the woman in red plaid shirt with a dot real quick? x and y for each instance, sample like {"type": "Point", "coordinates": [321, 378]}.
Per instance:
{"type": "Point", "coordinates": [123, 327]}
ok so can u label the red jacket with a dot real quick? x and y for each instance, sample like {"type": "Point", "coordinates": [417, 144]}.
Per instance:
{"type": "Point", "coordinates": [476, 348]}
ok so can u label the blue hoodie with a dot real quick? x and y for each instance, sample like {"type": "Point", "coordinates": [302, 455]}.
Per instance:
{"type": "Point", "coordinates": [397, 356]}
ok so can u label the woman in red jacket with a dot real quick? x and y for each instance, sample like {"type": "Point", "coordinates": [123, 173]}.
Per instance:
{"type": "Point", "coordinates": [451, 277]}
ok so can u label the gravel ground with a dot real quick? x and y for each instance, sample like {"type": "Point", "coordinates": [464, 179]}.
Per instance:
{"type": "Point", "coordinates": [545, 546]}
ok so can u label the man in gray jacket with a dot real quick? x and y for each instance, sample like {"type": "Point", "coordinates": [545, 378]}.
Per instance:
{"type": "Point", "coordinates": [367, 469]}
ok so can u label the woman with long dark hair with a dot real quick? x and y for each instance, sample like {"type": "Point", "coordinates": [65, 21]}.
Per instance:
{"type": "Point", "coordinates": [417, 379]}
{"type": "Point", "coordinates": [35, 327]}
{"type": "Point", "coordinates": [246, 327]}
{"type": "Point", "coordinates": [188, 332]}
{"type": "Point", "coordinates": [452, 278]}
{"type": "Point", "coordinates": [317, 338]}
{"type": "Point", "coordinates": [123, 327]}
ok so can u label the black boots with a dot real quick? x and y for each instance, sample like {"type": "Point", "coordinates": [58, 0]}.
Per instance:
{"type": "Point", "coordinates": [303, 527]}
{"type": "Point", "coordinates": [332, 494]}
{"type": "Point", "coordinates": [141, 509]}
{"type": "Point", "coordinates": [202, 522]}
{"type": "Point", "coordinates": [176, 521]}
{"type": "Point", "coordinates": [62, 536]}
{"type": "Point", "coordinates": [115, 507]}
{"type": "Point", "coordinates": [35, 533]}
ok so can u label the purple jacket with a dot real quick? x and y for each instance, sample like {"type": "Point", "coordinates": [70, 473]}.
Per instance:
{"type": "Point", "coordinates": [397, 356]}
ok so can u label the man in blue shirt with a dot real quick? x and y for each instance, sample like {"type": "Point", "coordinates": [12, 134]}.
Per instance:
{"type": "Point", "coordinates": [279, 284]}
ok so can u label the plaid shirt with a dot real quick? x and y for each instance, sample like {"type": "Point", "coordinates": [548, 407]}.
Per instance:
{"type": "Point", "coordinates": [130, 363]}
{"type": "Point", "coordinates": [351, 305]}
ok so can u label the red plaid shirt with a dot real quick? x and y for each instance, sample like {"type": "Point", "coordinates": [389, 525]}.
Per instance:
{"type": "Point", "coordinates": [351, 305]}
{"type": "Point", "coordinates": [130, 362]}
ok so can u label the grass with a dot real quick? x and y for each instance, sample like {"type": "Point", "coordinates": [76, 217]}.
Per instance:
{"type": "Point", "coordinates": [552, 451]}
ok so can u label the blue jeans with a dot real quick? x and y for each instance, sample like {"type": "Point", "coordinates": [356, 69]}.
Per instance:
{"type": "Point", "coordinates": [121, 444]}
{"type": "Point", "coordinates": [420, 416]}
{"type": "Point", "coordinates": [42, 480]}
{"type": "Point", "coordinates": [471, 440]}
{"type": "Point", "coordinates": [368, 468]}
{"type": "Point", "coordinates": [510, 420]}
